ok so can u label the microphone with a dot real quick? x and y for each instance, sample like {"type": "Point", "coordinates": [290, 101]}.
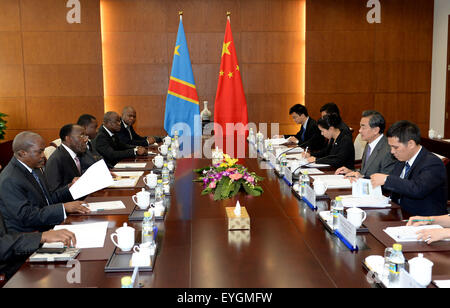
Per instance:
{"type": "Point", "coordinates": [288, 150]}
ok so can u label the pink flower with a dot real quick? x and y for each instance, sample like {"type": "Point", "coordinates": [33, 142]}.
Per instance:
{"type": "Point", "coordinates": [235, 176]}
{"type": "Point", "coordinates": [250, 179]}
{"type": "Point", "coordinates": [231, 169]}
{"type": "Point", "coordinates": [212, 185]}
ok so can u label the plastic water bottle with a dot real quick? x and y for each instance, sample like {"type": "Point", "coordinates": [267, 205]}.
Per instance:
{"type": "Point", "coordinates": [159, 192]}
{"type": "Point", "coordinates": [394, 262]}
{"type": "Point", "coordinates": [165, 175]}
{"type": "Point", "coordinates": [283, 164]}
{"type": "Point", "coordinates": [304, 181]}
{"type": "Point", "coordinates": [147, 227]}
{"type": "Point", "coordinates": [336, 208]}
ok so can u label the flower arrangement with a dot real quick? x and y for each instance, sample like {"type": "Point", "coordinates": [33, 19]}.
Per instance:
{"type": "Point", "coordinates": [2, 125]}
{"type": "Point", "coordinates": [226, 179]}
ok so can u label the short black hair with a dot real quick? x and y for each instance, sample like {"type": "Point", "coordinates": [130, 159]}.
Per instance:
{"type": "Point", "coordinates": [85, 119]}
{"type": "Point", "coordinates": [404, 131]}
{"type": "Point", "coordinates": [65, 131]}
{"type": "Point", "coordinates": [299, 109]}
{"type": "Point", "coordinates": [332, 119]}
{"type": "Point", "coordinates": [330, 108]}
{"type": "Point", "coordinates": [376, 119]}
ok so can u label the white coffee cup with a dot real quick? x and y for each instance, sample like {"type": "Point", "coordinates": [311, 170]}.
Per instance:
{"type": "Point", "coordinates": [163, 149]}
{"type": "Point", "coordinates": [356, 216]}
{"type": "Point", "coordinates": [159, 209]}
{"type": "Point", "coordinates": [144, 248]}
{"type": "Point", "coordinates": [170, 166]}
{"type": "Point", "coordinates": [151, 179]}
{"type": "Point", "coordinates": [158, 161]}
{"type": "Point", "coordinates": [320, 187]}
{"type": "Point", "coordinates": [125, 237]}
{"type": "Point", "coordinates": [420, 269]}
{"type": "Point", "coordinates": [431, 133]}
{"type": "Point", "coordinates": [142, 199]}
{"type": "Point", "coordinates": [139, 259]}
{"type": "Point", "coordinates": [167, 140]}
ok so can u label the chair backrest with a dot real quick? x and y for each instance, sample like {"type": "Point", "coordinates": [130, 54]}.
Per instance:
{"type": "Point", "coordinates": [359, 145]}
{"type": "Point", "coordinates": [56, 143]}
{"type": "Point", "coordinates": [49, 151]}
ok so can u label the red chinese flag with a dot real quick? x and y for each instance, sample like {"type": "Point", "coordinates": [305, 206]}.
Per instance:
{"type": "Point", "coordinates": [230, 108]}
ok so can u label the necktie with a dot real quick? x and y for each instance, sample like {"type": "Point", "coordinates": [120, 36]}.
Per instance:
{"type": "Point", "coordinates": [36, 177]}
{"type": "Point", "coordinates": [368, 152]}
{"type": "Point", "coordinates": [77, 162]}
{"type": "Point", "coordinates": [407, 167]}
{"type": "Point", "coordinates": [89, 145]}
{"type": "Point", "coordinates": [303, 133]}
{"type": "Point", "coordinates": [129, 131]}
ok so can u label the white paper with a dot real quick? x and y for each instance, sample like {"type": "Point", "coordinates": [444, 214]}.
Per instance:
{"type": "Point", "coordinates": [364, 188]}
{"type": "Point", "coordinates": [278, 141]}
{"type": "Point", "coordinates": [124, 183]}
{"type": "Point", "coordinates": [311, 171]}
{"type": "Point", "coordinates": [377, 202]}
{"type": "Point", "coordinates": [314, 165]}
{"type": "Point", "coordinates": [334, 181]}
{"type": "Point", "coordinates": [95, 178]}
{"type": "Point", "coordinates": [130, 165]}
{"type": "Point", "coordinates": [407, 233]}
{"type": "Point", "coordinates": [442, 283]}
{"type": "Point", "coordinates": [90, 235]}
{"type": "Point", "coordinates": [106, 206]}
{"type": "Point", "coordinates": [129, 173]}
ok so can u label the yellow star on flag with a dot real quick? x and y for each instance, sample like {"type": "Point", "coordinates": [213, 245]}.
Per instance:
{"type": "Point", "coordinates": [225, 48]}
{"type": "Point", "coordinates": [221, 73]}
{"type": "Point", "coordinates": [237, 67]}
{"type": "Point", "coordinates": [176, 50]}
{"type": "Point", "coordinates": [230, 74]}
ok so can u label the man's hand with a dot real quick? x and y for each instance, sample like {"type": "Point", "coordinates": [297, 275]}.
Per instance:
{"type": "Point", "coordinates": [311, 159]}
{"type": "Point", "coordinates": [293, 140]}
{"type": "Point", "coordinates": [54, 236]}
{"type": "Point", "coordinates": [378, 179]}
{"type": "Point", "coordinates": [150, 140]}
{"type": "Point", "coordinates": [418, 221]}
{"type": "Point", "coordinates": [76, 207]}
{"type": "Point", "coordinates": [343, 170]}
{"type": "Point", "coordinates": [353, 176]}
{"type": "Point", "coordinates": [141, 151]}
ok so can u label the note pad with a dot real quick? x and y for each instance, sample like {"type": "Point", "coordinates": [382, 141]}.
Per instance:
{"type": "Point", "coordinates": [407, 233]}
{"type": "Point", "coordinates": [334, 181]}
{"type": "Point", "coordinates": [106, 206]}
{"type": "Point", "coordinates": [130, 165]}
{"type": "Point", "coordinates": [89, 235]}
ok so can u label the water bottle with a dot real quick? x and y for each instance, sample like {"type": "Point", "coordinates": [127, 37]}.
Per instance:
{"type": "Point", "coordinates": [394, 262]}
{"type": "Point", "coordinates": [304, 181]}
{"type": "Point", "coordinates": [159, 192]}
{"type": "Point", "coordinates": [169, 155]}
{"type": "Point", "coordinates": [283, 164]}
{"type": "Point", "coordinates": [147, 227]}
{"type": "Point", "coordinates": [336, 208]}
{"type": "Point", "coordinates": [165, 175]}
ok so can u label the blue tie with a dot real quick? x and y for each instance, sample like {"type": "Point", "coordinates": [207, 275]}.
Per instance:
{"type": "Point", "coordinates": [303, 133]}
{"type": "Point", "coordinates": [407, 167]}
{"type": "Point", "coordinates": [36, 177]}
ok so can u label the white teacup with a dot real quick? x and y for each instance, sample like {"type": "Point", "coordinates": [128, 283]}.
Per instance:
{"type": "Point", "coordinates": [151, 180]}
{"type": "Point", "coordinates": [320, 187]}
{"type": "Point", "coordinates": [356, 216]}
{"type": "Point", "coordinates": [170, 166]}
{"type": "Point", "coordinates": [158, 161]}
{"type": "Point", "coordinates": [163, 149]}
{"type": "Point", "coordinates": [431, 133]}
{"type": "Point", "coordinates": [167, 140]}
{"type": "Point", "coordinates": [420, 269]}
{"type": "Point", "coordinates": [142, 199]}
{"type": "Point", "coordinates": [144, 248]}
{"type": "Point", "coordinates": [139, 259]}
{"type": "Point", "coordinates": [125, 237]}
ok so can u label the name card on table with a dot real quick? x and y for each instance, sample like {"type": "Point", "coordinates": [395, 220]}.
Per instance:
{"type": "Point", "coordinates": [346, 232]}
{"type": "Point", "coordinates": [272, 159]}
{"type": "Point", "coordinates": [309, 196]}
{"type": "Point", "coordinates": [288, 176]}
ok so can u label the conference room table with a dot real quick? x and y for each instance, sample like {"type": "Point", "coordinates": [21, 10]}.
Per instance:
{"type": "Point", "coordinates": [287, 245]}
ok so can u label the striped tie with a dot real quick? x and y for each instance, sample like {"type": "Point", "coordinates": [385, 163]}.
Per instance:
{"type": "Point", "coordinates": [36, 177]}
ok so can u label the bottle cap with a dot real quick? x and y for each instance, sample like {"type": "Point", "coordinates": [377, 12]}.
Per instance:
{"type": "Point", "coordinates": [147, 214]}
{"type": "Point", "coordinates": [165, 165]}
{"type": "Point", "coordinates": [126, 281]}
{"type": "Point", "coordinates": [397, 247]}
{"type": "Point", "coordinates": [160, 181]}
{"type": "Point", "coordinates": [338, 198]}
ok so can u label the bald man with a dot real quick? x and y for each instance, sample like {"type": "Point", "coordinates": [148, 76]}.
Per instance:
{"type": "Point", "coordinates": [128, 135]}
{"type": "Point", "coordinates": [108, 145]}
{"type": "Point", "coordinates": [26, 203]}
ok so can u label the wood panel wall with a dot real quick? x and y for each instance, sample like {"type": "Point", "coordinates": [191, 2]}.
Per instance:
{"type": "Point", "coordinates": [50, 70]}
{"type": "Point", "coordinates": [139, 39]}
{"type": "Point", "coordinates": [359, 66]}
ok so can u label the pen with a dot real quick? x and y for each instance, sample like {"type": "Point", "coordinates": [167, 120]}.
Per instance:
{"type": "Point", "coordinates": [417, 220]}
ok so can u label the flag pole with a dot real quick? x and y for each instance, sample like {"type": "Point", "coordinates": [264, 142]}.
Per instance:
{"type": "Point", "coordinates": [228, 16]}
{"type": "Point", "coordinates": [181, 15]}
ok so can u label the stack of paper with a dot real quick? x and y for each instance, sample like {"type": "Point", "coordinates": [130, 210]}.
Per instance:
{"type": "Point", "coordinates": [333, 181]}
{"type": "Point", "coordinates": [89, 235]}
{"type": "Point", "coordinates": [278, 141]}
{"type": "Point", "coordinates": [311, 171]}
{"type": "Point", "coordinates": [106, 206]}
{"type": "Point", "coordinates": [124, 182]}
{"type": "Point", "coordinates": [442, 283]}
{"type": "Point", "coordinates": [95, 178]}
{"type": "Point", "coordinates": [407, 233]}
{"type": "Point", "coordinates": [377, 202]}
{"type": "Point", "coordinates": [130, 165]}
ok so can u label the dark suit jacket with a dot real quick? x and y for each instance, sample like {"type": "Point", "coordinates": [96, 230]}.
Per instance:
{"type": "Point", "coordinates": [313, 137]}
{"type": "Point", "coordinates": [111, 148]}
{"type": "Point", "coordinates": [339, 153]}
{"type": "Point", "coordinates": [15, 248]}
{"type": "Point", "coordinates": [60, 168]}
{"type": "Point", "coordinates": [133, 139]}
{"type": "Point", "coordinates": [424, 190]}
{"type": "Point", "coordinates": [380, 160]}
{"type": "Point", "coordinates": [23, 204]}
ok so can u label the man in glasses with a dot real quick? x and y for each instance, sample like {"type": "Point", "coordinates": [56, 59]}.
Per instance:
{"type": "Point", "coordinates": [70, 160]}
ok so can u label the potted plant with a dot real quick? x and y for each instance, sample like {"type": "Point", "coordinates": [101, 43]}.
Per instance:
{"type": "Point", "coordinates": [2, 125]}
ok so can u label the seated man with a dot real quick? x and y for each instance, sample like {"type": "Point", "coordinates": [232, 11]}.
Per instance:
{"type": "Point", "coordinates": [16, 247]}
{"type": "Point", "coordinates": [418, 181]}
{"type": "Point", "coordinates": [108, 145]}
{"type": "Point", "coordinates": [309, 135]}
{"type": "Point", "coordinates": [128, 135]}
{"type": "Point", "coordinates": [89, 123]}
{"type": "Point", "coordinates": [70, 160]}
{"type": "Point", "coordinates": [377, 157]}
{"type": "Point", "coordinates": [26, 203]}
